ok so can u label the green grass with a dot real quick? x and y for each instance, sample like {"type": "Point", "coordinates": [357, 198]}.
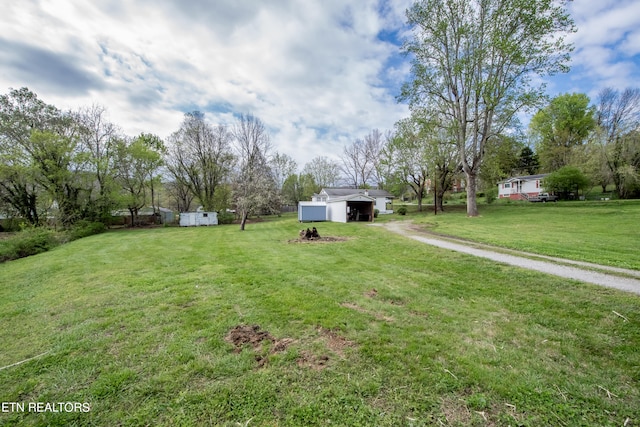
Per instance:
{"type": "Point", "coordinates": [134, 323]}
{"type": "Point", "coordinates": [605, 233]}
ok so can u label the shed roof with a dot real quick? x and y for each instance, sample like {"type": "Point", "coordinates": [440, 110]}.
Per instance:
{"type": "Point", "coordinates": [352, 198]}
{"type": "Point", "coordinates": [342, 192]}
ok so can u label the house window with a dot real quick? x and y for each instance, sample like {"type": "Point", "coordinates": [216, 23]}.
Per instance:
{"type": "Point", "coordinates": [507, 185]}
{"type": "Point", "coordinates": [205, 215]}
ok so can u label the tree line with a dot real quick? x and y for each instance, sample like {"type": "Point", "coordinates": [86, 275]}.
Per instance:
{"type": "Point", "coordinates": [63, 167]}
{"type": "Point", "coordinates": [472, 63]}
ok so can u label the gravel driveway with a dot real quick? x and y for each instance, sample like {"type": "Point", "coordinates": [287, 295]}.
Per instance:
{"type": "Point", "coordinates": [550, 265]}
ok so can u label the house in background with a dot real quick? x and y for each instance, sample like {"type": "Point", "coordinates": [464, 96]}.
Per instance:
{"type": "Point", "coordinates": [521, 187]}
{"type": "Point", "coordinates": [345, 205]}
{"type": "Point", "coordinates": [382, 198]}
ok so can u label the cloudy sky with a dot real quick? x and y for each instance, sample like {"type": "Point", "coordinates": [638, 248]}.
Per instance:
{"type": "Point", "coordinates": [319, 73]}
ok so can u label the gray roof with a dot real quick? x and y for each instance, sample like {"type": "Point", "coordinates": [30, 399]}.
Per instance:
{"type": "Point", "coordinates": [526, 177]}
{"type": "Point", "coordinates": [357, 197]}
{"type": "Point", "coordinates": [343, 192]}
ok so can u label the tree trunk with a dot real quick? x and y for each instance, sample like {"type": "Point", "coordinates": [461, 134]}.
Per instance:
{"type": "Point", "coordinates": [133, 217]}
{"type": "Point", "coordinates": [439, 198]}
{"type": "Point", "coordinates": [243, 221]}
{"type": "Point", "coordinates": [472, 205]}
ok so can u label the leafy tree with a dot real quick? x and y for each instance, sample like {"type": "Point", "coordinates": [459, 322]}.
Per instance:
{"type": "Point", "coordinates": [59, 168]}
{"type": "Point", "coordinates": [297, 188]}
{"type": "Point", "coordinates": [566, 182]}
{"type": "Point", "coordinates": [43, 163]}
{"type": "Point", "coordinates": [155, 145]}
{"type": "Point", "coordinates": [21, 112]}
{"type": "Point", "coordinates": [528, 162]}
{"type": "Point", "coordinates": [137, 162]}
{"type": "Point", "coordinates": [561, 127]}
{"type": "Point", "coordinates": [406, 155]}
{"type": "Point", "coordinates": [200, 158]}
{"type": "Point", "coordinates": [502, 160]}
{"type": "Point", "coordinates": [472, 62]}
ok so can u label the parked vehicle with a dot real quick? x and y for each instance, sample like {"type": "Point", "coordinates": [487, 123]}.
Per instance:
{"type": "Point", "coordinates": [544, 198]}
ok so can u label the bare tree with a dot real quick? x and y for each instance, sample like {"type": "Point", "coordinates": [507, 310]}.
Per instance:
{"type": "Point", "coordinates": [99, 136]}
{"type": "Point", "coordinates": [357, 162]}
{"type": "Point", "coordinates": [325, 172]}
{"type": "Point", "coordinates": [282, 166]}
{"type": "Point", "coordinates": [373, 144]}
{"type": "Point", "coordinates": [254, 186]}
{"type": "Point", "coordinates": [180, 195]}
{"type": "Point", "coordinates": [617, 115]}
{"type": "Point", "coordinates": [200, 158]}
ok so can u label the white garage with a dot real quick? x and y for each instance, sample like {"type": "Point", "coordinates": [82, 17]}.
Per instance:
{"type": "Point", "coordinates": [356, 207]}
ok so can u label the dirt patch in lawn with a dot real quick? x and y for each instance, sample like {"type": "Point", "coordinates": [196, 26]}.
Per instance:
{"type": "Point", "coordinates": [371, 293]}
{"type": "Point", "coordinates": [357, 308]}
{"type": "Point", "coordinates": [254, 338]}
{"type": "Point", "coordinates": [243, 336]}
{"type": "Point", "coordinates": [248, 335]}
{"type": "Point", "coordinates": [332, 341]}
{"type": "Point", "coordinates": [328, 239]}
{"type": "Point", "coordinates": [311, 361]}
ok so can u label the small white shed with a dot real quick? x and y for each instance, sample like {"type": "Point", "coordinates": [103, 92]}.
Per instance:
{"type": "Point", "coordinates": [194, 219]}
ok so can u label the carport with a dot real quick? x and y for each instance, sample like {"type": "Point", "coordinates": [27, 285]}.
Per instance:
{"type": "Point", "coordinates": [356, 207]}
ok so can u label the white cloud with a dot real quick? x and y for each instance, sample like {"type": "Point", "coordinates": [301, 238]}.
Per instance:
{"type": "Point", "coordinates": [312, 71]}
{"type": "Point", "coordinates": [319, 73]}
{"type": "Point", "coordinates": [607, 45]}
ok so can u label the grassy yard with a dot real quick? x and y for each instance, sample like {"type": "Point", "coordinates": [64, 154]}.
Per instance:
{"type": "Point", "coordinates": [605, 233]}
{"type": "Point", "coordinates": [213, 326]}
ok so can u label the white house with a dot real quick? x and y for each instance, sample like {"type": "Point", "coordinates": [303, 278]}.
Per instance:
{"type": "Point", "coordinates": [521, 187]}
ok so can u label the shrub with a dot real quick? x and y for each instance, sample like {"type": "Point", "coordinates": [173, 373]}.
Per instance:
{"type": "Point", "coordinates": [86, 228]}
{"type": "Point", "coordinates": [30, 241]}
{"type": "Point", "coordinates": [375, 213]}
{"type": "Point", "coordinates": [225, 218]}
{"type": "Point", "coordinates": [491, 195]}
{"type": "Point", "coordinates": [402, 210]}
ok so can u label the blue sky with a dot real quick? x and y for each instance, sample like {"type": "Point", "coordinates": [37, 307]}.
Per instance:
{"type": "Point", "coordinates": [319, 73]}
